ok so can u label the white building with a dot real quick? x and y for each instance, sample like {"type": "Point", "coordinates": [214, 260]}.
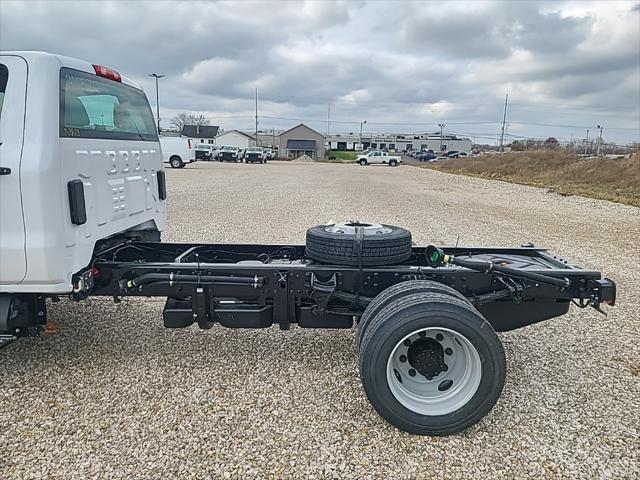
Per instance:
{"type": "Point", "coordinates": [400, 142]}
{"type": "Point", "coordinates": [235, 138]}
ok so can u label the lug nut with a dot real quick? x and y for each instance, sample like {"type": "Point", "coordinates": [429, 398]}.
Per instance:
{"type": "Point", "coordinates": [407, 342]}
{"type": "Point", "coordinates": [412, 372]}
{"type": "Point", "coordinates": [445, 367]}
{"type": "Point", "coordinates": [422, 334]}
{"type": "Point", "coordinates": [448, 351]}
{"type": "Point", "coordinates": [403, 358]}
{"type": "Point", "coordinates": [439, 337]}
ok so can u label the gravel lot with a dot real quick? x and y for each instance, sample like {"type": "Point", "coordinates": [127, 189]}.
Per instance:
{"type": "Point", "coordinates": [115, 395]}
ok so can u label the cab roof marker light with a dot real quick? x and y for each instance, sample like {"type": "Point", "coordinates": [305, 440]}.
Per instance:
{"type": "Point", "coordinates": [107, 73]}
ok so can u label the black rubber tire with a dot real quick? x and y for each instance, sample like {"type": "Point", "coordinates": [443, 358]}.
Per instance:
{"type": "Point", "coordinates": [421, 310]}
{"type": "Point", "coordinates": [393, 163]}
{"type": "Point", "coordinates": [397, 291]}
{"type": "Point", "coordinates": [176, 162]}
{"type": "Point", "coordinates": [363, 162]}
{"type": "Point", "coordinates": [338, 249]}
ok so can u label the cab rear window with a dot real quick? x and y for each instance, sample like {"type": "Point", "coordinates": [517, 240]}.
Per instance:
{"type": "Point", "coordinates": [96, 107]}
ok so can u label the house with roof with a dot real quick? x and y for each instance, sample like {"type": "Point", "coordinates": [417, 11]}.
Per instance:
{"type": "Point", "coordinates": [301, 140]}
{"type": "Point", "coordinates": [200, 133]}
{"type": "Point", "coordinates": [235, 138]}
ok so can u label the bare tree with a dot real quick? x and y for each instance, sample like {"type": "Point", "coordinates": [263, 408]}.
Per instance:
{"type": "Point", "coordinates": [182, 119]}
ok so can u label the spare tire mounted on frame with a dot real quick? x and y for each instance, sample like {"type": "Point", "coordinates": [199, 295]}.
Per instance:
{"type": "Point", "coordinates": [358, 243]}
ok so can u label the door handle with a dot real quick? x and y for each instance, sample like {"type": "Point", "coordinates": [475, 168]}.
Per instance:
{"type": "Point", "coordinates": [5, 170]}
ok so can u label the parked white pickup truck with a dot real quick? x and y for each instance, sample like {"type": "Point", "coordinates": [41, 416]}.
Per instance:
{"type": "Point", "coordinates": [376, 157]}
{"type": "Point", "coordinates": [80, 162]}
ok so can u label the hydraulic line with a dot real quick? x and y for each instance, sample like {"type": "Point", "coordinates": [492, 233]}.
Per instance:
{"type": "Point", "coordinates": [174, 279]}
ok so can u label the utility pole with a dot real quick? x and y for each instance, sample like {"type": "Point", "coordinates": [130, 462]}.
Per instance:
{"type": "Point", "coordinates": [441, 125]}
{"type": "Point", "coordinates": [328, 118]}
{"type": "Point", "coordinates": [256, 115]}
{"type": "Point", "coordinates": [586, 143]}
{"type": "Point", "coordinates": [156, 76]}
{"type": "Point", "coordinates": [600, 141]}
{"type": "Point", "coordinates": [360, 141]}
{"type": "Point", "coordinates": [504, 120]}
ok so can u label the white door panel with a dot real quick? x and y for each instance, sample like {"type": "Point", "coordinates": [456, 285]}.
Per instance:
{"type": "Point", "coordinates": [13, 260]}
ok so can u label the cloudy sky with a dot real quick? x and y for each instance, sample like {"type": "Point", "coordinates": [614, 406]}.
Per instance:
{"type": "Point", "coordinates": [402, 66]}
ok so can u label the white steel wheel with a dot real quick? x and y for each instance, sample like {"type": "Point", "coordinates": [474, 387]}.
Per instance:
{"type": "Point", "coordinates": [434, 371]}
{"type": "Point", "coordinates": [430, 363]}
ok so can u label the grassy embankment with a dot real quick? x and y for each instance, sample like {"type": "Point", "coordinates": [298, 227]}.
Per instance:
{"type": "Point", "coordinates": [341, 156]}
{"type": "Point", "coordinates": [563, 173]}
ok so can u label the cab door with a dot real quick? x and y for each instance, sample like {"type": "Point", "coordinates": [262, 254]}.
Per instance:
{"type": "Point", "coordinates": [13, 90]}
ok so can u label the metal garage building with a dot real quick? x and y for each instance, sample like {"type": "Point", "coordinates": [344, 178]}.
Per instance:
{"type": "Point", "coordinates": [301, 140]}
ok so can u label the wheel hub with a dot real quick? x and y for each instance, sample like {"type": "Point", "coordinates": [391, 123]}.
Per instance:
{"type": "Point", "coordinates": [426, 355]}
{"type": "Point", "coordinates": [419, 378]}
{"type": "Point", "coordinates": [350, 228]}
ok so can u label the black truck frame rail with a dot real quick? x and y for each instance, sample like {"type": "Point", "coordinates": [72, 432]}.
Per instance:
{"type": "Point", "coordinates": [254, 286]}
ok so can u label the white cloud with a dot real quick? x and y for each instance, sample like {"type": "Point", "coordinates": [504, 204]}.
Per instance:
{"type": "Point", "coordinates": [575, 63]}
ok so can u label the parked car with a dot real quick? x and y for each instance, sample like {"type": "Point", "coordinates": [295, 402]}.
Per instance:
{"type": "Point", "coordinates": [214, 151]}
{"type": "Point", "coordinates": [425, 156]}
{"type": "Point", "coordinates": [229, 154]}
{"type": "Point", "coordinates": [377, 157]}
{"type": "Point", "coordinates": [204, 151]}
{"type": "Point", "coordinates": [255, 154]}
{"type": "Point", "coordinates": [177, 151]}
{"type": "Point", "coordinates": [453, 154]}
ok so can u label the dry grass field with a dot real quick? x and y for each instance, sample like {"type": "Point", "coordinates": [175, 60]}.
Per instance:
{"type": "Point", "coordinates": [561, 172]}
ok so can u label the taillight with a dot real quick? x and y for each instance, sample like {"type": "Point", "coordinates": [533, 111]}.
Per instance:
{"type": "Point", "coordinates": [107, 73]}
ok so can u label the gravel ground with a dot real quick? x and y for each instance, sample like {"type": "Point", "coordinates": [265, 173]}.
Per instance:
{"type": "Point", "coordinates": [115, 395]}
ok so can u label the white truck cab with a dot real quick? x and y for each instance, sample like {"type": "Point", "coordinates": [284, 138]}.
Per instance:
{"type": "Point", "coordinates": [79, 162]}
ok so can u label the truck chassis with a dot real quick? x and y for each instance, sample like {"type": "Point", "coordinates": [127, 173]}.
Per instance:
{"type": "Point", "coordinates": [421, 321]}
{"type": "Point", "coordinates": [249, 286]}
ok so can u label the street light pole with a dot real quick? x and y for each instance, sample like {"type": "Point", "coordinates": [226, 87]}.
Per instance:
{"type": "Point", "coordinates": [360, 142]}
{"type": "Point", "coordinates": [600, 141]}
{"type": "Point", "coordinates": [441, 125]}
{"type": "Point", "coordinates": [156, 76]}
{"type": "Point", "coordinates": [586, 143]}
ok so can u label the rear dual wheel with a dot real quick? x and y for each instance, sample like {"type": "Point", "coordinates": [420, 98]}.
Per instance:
{"type": "Point", "coordinates": [431, 364]}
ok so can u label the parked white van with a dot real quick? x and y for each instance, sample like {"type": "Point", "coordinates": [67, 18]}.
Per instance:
{"type": "Point", "coordinates": [80, 162]}
{"type": "Point", "coordinates": [177, 151]}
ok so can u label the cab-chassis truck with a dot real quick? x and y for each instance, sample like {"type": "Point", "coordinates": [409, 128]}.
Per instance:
{"type": "Point", "coordinates": [82, 205]}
